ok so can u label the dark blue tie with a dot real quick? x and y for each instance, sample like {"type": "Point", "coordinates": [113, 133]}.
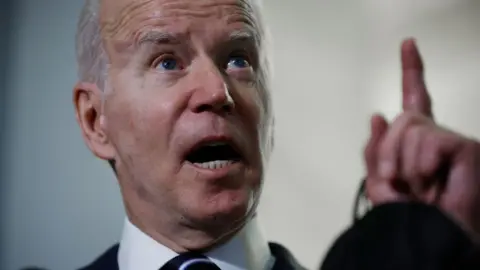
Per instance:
{"type": "Point", "coordinates": [190, 261]}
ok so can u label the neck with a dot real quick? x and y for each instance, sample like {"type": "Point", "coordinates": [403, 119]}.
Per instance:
{"type": "Point", "coordinates": [247, 249]}
{"type": "Point", "coordinates": [179, 237]}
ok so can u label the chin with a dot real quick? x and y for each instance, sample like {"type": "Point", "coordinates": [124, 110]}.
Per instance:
{"type": "Point", "coordinates": [222, 209]}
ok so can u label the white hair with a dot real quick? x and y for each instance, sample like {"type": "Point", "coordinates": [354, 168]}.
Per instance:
{"type": "Point", "coordinates": [91, 57]}
{"type": "Point", "coordinates": [93, 68]}
{"type": "Point", "coordinates": [93, 62]}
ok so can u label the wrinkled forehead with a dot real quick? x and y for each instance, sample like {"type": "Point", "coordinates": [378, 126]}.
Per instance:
{"type": "Point", "coordinates": [127, 19]}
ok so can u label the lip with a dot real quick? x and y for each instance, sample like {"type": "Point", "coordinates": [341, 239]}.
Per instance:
{"type": "Point", "coordinates": [217, 173]}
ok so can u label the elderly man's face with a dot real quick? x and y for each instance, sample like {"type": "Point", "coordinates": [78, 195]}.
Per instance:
{"type": "Point", "coordinates": [183, 109]}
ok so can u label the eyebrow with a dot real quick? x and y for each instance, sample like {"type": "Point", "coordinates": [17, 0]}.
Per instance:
{"type": "Point", "coordinates": [156, 37]}
{"type": "Point", "coordinates": [243, 36]}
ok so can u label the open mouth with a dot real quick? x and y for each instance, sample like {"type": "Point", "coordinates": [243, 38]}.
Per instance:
{"type": "Point", "coordinates": [214, 155]}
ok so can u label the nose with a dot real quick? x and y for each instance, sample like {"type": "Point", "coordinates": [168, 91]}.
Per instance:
{"type": "Point", "coordinates": [211, 92]}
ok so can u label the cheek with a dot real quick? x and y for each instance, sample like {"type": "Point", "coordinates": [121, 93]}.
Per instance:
{"type": "Point", "coordinates": [250, 106]}
{"type": "Point", "coordinates": [249, 103]}
{"type": "Point", "coordinates": [140, 127]}
{"type": "Point", "coordinates": [145, 107]}
{"type": "Point", "coordinates": [256, 117]}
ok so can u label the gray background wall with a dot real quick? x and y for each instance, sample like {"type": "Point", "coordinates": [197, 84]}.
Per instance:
{"type": "Point", "coordinates": [335, 63]}
{"type": "Point", "coordinates": [5, 33]}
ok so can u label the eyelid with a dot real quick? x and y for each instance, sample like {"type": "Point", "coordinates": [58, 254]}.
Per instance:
{"type": "Point", "coordinates": [242, 53]}
{"type": "Point", "coordinates": [166, 55]}
{"type": "Point", "coordinates": [250, 56]}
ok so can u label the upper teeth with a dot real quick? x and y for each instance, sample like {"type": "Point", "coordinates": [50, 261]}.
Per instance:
{"type": "Point", "coordinates": [217, 164]}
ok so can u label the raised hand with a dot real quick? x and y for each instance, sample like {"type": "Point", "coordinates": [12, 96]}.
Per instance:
{"type": "Point", "coordinates": [415, 159]}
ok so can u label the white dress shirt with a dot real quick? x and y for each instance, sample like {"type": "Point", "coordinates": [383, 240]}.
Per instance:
{"type": "Point", "coordinates": [248, 250]}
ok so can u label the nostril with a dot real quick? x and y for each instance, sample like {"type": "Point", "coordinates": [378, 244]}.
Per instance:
{"type": "Point", "coordinates": [228, 108]}
{"type": "Point", "coordinates": [204, 108]}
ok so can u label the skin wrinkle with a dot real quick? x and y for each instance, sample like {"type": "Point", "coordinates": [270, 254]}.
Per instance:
{"type": "Point", "coordinates": [151, 116]}
{"type": "Point", "coordinates": [109, 29]}
{"type": "Point", "coordinates": [241, 39]}
{"type": "Point", "coordinates": [236, 10]}
{"type": "Point", "coordinates": [127, 48]}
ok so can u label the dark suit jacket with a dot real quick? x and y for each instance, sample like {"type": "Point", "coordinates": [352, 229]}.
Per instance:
{"type": "Point", "coordinates": [283, 260]}
{"type": "Point", "coordinates": [397, 236]}
{"type": "Point", "coordinates": [403, 236]}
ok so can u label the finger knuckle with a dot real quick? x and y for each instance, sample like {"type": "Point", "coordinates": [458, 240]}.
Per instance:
{"type": "Point", "coordinates": [414, 133]}
{"type": "Point", "coordinates": [431, 139]}
{"type": "Point", "coordinates": [408, 118]}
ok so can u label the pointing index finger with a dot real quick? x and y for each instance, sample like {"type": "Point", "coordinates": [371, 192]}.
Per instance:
{"type": "Point", "coordinates": [415, 93]}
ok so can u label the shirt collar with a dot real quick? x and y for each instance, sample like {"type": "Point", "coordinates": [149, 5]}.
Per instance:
{"type": "Point", "coordinates": [246, 250]}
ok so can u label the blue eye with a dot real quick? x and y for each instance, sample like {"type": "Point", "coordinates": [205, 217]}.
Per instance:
{"type": "Point", "coordinates": [238, 62]}
{"type": "Point", "coordinates": [168, 64]}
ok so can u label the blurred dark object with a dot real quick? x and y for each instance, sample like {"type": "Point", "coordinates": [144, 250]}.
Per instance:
{"type": "Point", "coordinates": [399, 236]}
{"type": "Point", "coordinates": [361, 204]}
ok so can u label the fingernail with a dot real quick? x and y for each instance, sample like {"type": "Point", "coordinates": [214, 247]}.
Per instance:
{"type": "Point", "coordinates": [385, 169]}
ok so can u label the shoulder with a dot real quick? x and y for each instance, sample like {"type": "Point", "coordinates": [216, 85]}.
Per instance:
{"type": "Point", "coordinates": [106, 261]}
{"type": "Point", "coordinates": [415, 234]}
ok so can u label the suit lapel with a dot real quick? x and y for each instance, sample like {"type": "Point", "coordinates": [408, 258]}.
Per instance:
{"type": "Point", "coordinates": [284, 260]}
{"type": "Point", "coordinates": [107, 261]}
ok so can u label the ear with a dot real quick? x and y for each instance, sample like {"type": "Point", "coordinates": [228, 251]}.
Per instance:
{"type": "Point", "coordinates": [87, 99]}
